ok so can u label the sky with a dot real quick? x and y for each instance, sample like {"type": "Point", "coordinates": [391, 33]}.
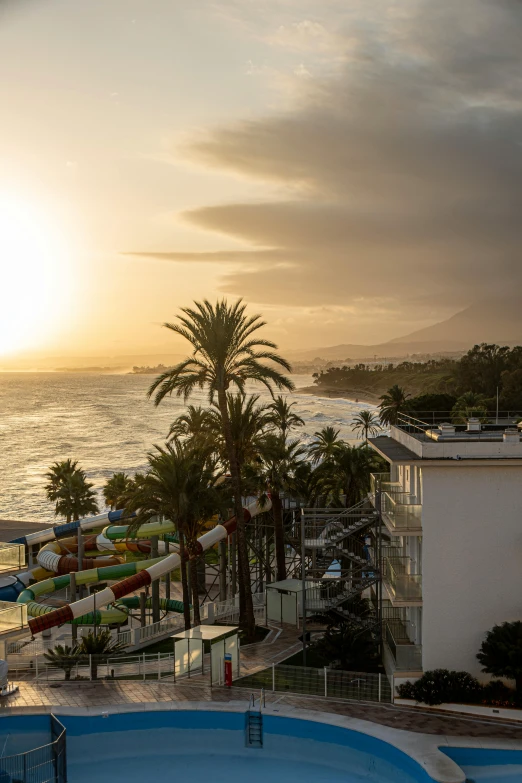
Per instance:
{"type": "Point", "coordinates": [351, 168]}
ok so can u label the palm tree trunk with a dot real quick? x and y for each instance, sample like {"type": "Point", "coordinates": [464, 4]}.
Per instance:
{"type": "Point", "coordinates": [193, 565]}
{"type": "Point", "coordinates": [279, 536]}
{"type": "Point", "coordinates": [184, 580]}
{"type": "Point", "coordinates": [246, 607]}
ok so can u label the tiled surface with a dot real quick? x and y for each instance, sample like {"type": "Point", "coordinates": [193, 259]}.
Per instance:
{"type": "Point", "coordinates": [34, 696]}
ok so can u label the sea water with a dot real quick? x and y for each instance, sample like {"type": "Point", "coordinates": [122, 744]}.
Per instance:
{"type": "Point", "coordinates": [108, 424]}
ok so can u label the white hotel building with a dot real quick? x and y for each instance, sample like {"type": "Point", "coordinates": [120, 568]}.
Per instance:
{"type": "Point", "coordinates": [452, 509]}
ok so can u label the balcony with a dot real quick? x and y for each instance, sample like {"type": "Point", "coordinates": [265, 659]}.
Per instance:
{"type": "Point", "coordinates": [407, 656]}
{"type": "Point", "coordinates": [380, 482]}
{"type": "Point", "coordinates": [403, 586]}
{"type": "Point", "coordinates": [401, 516]}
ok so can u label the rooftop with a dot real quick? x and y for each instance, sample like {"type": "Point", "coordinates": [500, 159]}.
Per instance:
{"type": "Point", "coordinates": [437, 436]}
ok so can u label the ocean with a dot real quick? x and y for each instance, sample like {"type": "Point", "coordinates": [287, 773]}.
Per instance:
{"type": "Point", "coordinates": [106, 423]}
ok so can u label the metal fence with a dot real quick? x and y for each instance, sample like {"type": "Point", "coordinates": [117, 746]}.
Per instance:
{"type": "Point", "coordinates": [46, 764]}
{"type": "Point", "coordinates": [328, 683]}
{"type": "Point", "coordinates": [141, 666]}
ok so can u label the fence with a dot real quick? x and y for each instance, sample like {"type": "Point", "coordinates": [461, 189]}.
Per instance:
{"type": "Point", "coordinates": [328, 683]}
{"type": "Point", "coordinates": [141, 666]}
{"type": "Point", "coordinates": [12, 556]}
{"type": "Point", "coordinates": [47, 764]}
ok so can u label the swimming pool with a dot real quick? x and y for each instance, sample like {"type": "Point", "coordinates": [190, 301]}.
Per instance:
{"type": "Point", "coordinates": [488, 766]}
{"type": "Point", "coordinates": [173, 744]}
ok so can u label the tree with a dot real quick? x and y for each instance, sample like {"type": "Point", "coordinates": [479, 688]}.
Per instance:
{"type": "Point", "coordinates": [347, 646]}
{"type": "Point", "coordinates": [115, 490]}
{"type": "Point", "coordinates": [481, 368]}
{"type": "Point", "coordinates": [192, 425]}
{"type": "Point", "coordinates": [226, 353]}
{"type": "Point", "coordinates": [180, 485]}
{"type": "Point", "coordinates": [270, 476]}
{"type": "Point", "coordinates": [248, 421]}
{"type": "Point", "coordinates": [69, 489]}
{"type": "Point", "coordinates": [393, 403]}
{"type": "Point", "coordinates": [348, 473]}
{"type": "Point", "coordinates": [325, 445]}
{"type": "Point", "coordinates": [469, 405]}
{"type": "Point", "coordinates": [99, 646]}
{"type": "Point", "coordinates": [282, 417]}
{"type": "Point", "coordinates": [365, 423]}
{"type": "Point", "coordinates": [63, 657]}
{"type": "Point", "coordinates": [501, 653]}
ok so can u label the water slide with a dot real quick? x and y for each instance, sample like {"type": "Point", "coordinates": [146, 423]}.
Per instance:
{"type": "Point", "coordinates": [143, 575]}
{"type": "Point", "coordinates": [110, 616]}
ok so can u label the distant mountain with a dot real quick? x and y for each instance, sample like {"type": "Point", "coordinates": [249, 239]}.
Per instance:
{"type": "Point", "coordinates": [496, 320]}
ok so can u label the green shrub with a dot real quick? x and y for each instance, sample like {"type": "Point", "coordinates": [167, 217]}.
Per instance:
{"type": "Point", "coordinates": [442, 685]}
{"type": "Point", "coordinates": [497, 694]}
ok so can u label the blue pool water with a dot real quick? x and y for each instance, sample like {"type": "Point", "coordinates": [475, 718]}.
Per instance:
{"type": "Point", "coordinates": [488, 766]}
{"type": "Point", "coordinates": [210, 746]}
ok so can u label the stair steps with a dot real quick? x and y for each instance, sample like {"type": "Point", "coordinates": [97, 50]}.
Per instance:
{"type": "Point", "coordinates": [254, 729]}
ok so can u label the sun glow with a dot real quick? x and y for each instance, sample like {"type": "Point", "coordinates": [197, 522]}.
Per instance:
{"type": "Point", "coordinates": [35, 278]}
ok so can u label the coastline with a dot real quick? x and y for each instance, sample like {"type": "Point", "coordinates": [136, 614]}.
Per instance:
{"type": "Point", "coordinates": [354, 395]}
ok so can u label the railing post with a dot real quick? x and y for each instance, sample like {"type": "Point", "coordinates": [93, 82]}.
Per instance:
{"type": "Point", "coordinates": [159, 667]}
{"type": "Point", "coordinates": [144, 676]}
{"type": "Point", "coordinates": [273, 677]}
{"type": "Point", "coordinates": [90, 666]}
{"type": "Point", "coordinates": [380, 675]}
{"type": "Point", "coordinates": [325, 682]}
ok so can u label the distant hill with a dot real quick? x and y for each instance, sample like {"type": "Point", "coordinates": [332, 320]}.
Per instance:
{"type": "Point", "coordinates": [496, 320]}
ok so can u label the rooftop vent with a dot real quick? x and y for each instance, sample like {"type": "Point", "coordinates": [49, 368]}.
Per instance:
{"type": "Point", "coordinates": [511, 436]}
{"type": "Point", "coordinates": [446, 428]}
{"type": "Point", "coordinates": [473, 424]}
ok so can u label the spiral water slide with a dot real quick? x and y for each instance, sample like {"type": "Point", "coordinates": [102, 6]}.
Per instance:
{"type": "Point", "coordinates": [141, 578]}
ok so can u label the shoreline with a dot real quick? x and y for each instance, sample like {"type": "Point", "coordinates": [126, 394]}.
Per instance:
{"type": "Point", "coordinates": [355, 396]}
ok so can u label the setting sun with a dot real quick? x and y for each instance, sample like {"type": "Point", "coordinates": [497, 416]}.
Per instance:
{"type": "Point", "coordinates": [35, 278]}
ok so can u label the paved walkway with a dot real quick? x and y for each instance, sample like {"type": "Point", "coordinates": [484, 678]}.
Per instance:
{"type": "Point", "coordinates": [41, 697]}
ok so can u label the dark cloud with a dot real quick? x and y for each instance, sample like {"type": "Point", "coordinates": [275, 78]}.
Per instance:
{"type": "Point", "coordinates": [408, 166]}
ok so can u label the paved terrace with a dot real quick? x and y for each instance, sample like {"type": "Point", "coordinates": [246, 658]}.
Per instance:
{"type": "Point", "coordinates": [279, 645]}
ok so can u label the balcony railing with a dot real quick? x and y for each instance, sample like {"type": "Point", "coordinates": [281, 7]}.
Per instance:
{"type": "Point", "coordinates": [408, 656]}
{"type": "Point", "coordinates": [401, 512]}
{"type": "Point", "coordinates": [400, 582]}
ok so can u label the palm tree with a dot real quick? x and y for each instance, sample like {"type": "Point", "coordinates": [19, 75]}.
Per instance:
{"type": "Point", "coordinates": [348, 473]}
{"type": "Point", "coordinates": [365, 423]}
{"type": "Point", "coordinates": [99, 646]}
{"type": "Point", "coordinates": [226, 353]}
{"type": "Point", "coordinates": [115, 489]}
{"type": "Point", "coordinates": [69, 489]}
{"type": "Point", "coordinates": [180, 484]}
{"type": "Point", "coordinates": [270, 476]}
{"type": "Point", "coordinates": [394, 402]}
{"type": "Point", "coordinates": [325, 445]}
{"type": "Point", "coordinates": [248, 421]}
{"type": "Point", "coordinates": [469, 405]}
{"type": "Point", "coordinates": [63, 657]}
{"type": "Point", "coordinates": [191, 425]}
{"type": "Point", "coordinates": [282, 417]}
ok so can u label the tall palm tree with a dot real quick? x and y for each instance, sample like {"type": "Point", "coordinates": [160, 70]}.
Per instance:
{"type": "Point", "coordinates": [282, 417]}
{"type": "Point", "coordinates": [115, 489]}
{"type": "Point", "coordinates": [248, 421]}
{"type": "Point", "coordinates": [271, 475]}
{"type": "Point", "coordinates": [365, 423]}
{"type": "Point", "coordinates": [393, 403]}
{"type": "Point", "coordinates": [348, 473]}
{"type": "Point", "coordinates": [70, 491]}
{"type": "Point", "coordinates": [193, 424]}
{"type": "Point", "coordinates": [226, 353]}
{"type": "Point", "coordinates": [180, 485]}
{"type": "Point", "coordinates": [325, 445]}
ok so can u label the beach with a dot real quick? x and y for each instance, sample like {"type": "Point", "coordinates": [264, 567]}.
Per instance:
{"type": "Point", "coordinates": [354, 396]}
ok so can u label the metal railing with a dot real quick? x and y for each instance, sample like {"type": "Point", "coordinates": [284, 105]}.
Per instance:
{"type": "Point", "coordinates": [403, 585]}
{"type": "Point", "coordinates": [46, 764]}
{"type": "Point", "coordinates": [141, 666]}
{"type": "Point", "coordinates": [148, 632]}
{"type": "Point", "coordinates": [12, 556]}
{"type": "Point", "coordinates": [408, 656]}
{"type": "Point", "coordinates": [401, 512]}
{"type": "Point", "coordinates": [427, 420]}
{"type": "Point", "coordinates": [327, 683]}
{"type": "Point", "coordinates": [326, 595]}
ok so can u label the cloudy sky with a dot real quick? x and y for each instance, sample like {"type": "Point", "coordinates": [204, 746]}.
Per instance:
{"type": "Point", "coordinates": [352, 168]}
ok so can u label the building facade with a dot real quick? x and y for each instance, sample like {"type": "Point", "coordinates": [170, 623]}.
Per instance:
{"type": "Point", "coordinates": [452, 554]}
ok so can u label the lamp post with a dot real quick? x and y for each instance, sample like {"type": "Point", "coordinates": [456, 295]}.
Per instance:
{"type": "Point", "coordinates": [303, 584]}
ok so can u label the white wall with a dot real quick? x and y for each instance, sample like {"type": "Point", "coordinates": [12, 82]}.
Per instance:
{"type": "Point", "coordinates": [472, 559]}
